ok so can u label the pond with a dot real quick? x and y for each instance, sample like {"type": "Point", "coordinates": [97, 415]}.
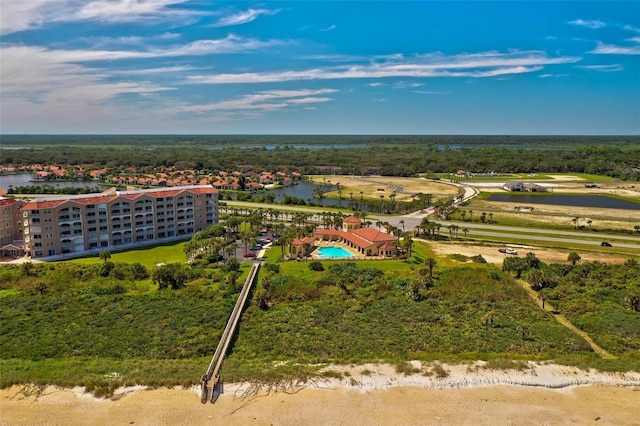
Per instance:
{"type": "Point", "coordinates": [305, 191]}
{"type": "Point", "coordinates": [25, 179]}
{"type": "Point", "coordinates": [596, 201]}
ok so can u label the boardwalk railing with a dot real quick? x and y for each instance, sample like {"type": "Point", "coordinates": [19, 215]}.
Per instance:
{"type": "Point", "coordinates": [213, 372]}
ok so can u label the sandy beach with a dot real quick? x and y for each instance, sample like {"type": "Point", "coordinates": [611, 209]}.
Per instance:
{"type": "Point", "coordinates": [541, 395]}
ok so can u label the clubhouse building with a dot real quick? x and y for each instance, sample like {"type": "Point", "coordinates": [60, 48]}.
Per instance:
{"type": "Point", "coordinates": [367, 241]}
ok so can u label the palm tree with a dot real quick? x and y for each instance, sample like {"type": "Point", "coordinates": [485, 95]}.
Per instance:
{"type": "Point", "coordinates": [402, 223]}
{"type": "Point", "coordinates": [105, 255]}
{"type": "Point", "coordinates": [26, 268]}
{"type": "Point", "coordinates": [407, 243]}
{"type": "Point", "coordinates": [430, 262]}
{"type": "Point", "coordinates": [465, 231]}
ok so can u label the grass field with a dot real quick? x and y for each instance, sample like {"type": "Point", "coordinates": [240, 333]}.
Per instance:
{"type": "Point", "coordinates": [146, 256]}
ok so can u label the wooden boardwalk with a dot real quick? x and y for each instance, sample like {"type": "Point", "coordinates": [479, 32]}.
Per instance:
{"type": "Point", "coordinates": [209, 383]}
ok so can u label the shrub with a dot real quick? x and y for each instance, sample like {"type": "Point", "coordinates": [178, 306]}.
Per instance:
{"type": "Point", "coordinates": [316, 266]}
{"type": "Point", "coordinates": [439, 371]}
{"type": "Point", "coordinates": [459, 257]}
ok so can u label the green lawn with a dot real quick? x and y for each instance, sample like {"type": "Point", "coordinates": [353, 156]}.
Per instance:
{"type": "Point", "coordinates": [146, 256]}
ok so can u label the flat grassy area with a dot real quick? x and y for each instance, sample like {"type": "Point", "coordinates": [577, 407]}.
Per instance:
{"type": "Point", "coordinates": [147, 256]}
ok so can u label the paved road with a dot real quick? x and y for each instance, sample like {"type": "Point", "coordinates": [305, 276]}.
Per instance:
{"type": "Point", "coordinates": [559, 239]}
{"type": "Point", "coordinates": [412, 220]}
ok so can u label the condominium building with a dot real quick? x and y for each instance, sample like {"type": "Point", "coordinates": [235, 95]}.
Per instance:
{"type": "Point", "coordinates": [73, 225]}
{"type": "Point", "coordinates": [10, 227]}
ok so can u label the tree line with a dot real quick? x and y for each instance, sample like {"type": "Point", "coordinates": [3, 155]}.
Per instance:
{"type": "Point", "coordinates": [390, 160]}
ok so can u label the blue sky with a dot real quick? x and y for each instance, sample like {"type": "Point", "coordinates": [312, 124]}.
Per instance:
{"type": "Point", "coordinates": [331, 67]}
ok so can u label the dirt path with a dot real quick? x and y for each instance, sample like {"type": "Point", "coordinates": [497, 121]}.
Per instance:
{"type": "Point", "coordinates": [564, 321]}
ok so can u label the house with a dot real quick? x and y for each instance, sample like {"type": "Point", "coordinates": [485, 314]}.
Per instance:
{"type": "Point", "coordinates": [522, 186]}
{"type": "Point", "coordinates": [513, 186]}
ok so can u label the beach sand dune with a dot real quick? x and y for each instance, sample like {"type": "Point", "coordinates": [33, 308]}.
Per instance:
{"type": "Point", "coordinates": [378, 398]}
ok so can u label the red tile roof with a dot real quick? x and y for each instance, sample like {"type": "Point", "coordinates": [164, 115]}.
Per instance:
{"type": "Point", "coordinates": [7, 201]}
{"type": "Point", "coordinates": [373, 235]}
{"type": "Point", "coordinates": [351, 219]}
{"type": "Point", "coordinates": [95, 199]}
{"type": "Point", "coordinates": [303, 241]}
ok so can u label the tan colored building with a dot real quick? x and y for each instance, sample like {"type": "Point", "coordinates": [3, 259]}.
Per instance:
{"type": "Point", "coordinates": [301, 247]}
{"type": "Point", "coordinates": [10, 227]}
{"type": "Point", "coordinates": [74, 225]}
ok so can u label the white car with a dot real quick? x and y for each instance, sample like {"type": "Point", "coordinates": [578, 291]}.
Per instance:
{"type": "Point", "coordinates": [510, 251]}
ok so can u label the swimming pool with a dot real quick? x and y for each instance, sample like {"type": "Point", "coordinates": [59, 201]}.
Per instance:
{"type": "Point", "coordinates": [332, 252]}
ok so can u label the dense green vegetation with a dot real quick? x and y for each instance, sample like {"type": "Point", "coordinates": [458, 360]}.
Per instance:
{"type": "Point", "coordinates": [600, 299]}
{"type": "Point", "coordinates": [107, 324]}
{"type": "Point", "coordinates": [396, 156]}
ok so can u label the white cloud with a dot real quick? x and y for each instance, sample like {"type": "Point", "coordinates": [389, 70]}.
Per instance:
{"type": "Point", "coordinates": [229, 44]}
{"type": "Point", "coordinates": [612, 49]}
{"type": "Point", "coordinates": [23, 15]}
{"type": "Point", "coordinates": [553, 75]}
{"type": "Point", "coordinates": [430, 92]}
{"type": "Point", "coordinates": [485, 64]}
{"type": "Point", "coordinates": [45, 78]}
{"type": "Point", "coordinates": [269, 100]}
{"type": "Point", "coordinates": [594, 24]}
{"type": "Point", "coordinates": [125, 10]}
{"type": "Point", "coordinates": [603, 68]}
{"type": "Point", "coordinates": [406, 85]}
{"type": "Point", "coordinates": [329, 28]}
{"type": "Point", "coordinates": [244, 17]}
{"type": "Point", "coordinates": [159, 70]}
{"type": "Point", "coordinates": [310, 100]}
{"type": "Point", "coordinates": [101, 42]}
{"type": "Point", "coordinates": [631, 28]}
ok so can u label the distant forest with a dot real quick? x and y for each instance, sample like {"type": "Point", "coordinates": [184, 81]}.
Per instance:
{"type": "Point", "coordinates": [616, 156]}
